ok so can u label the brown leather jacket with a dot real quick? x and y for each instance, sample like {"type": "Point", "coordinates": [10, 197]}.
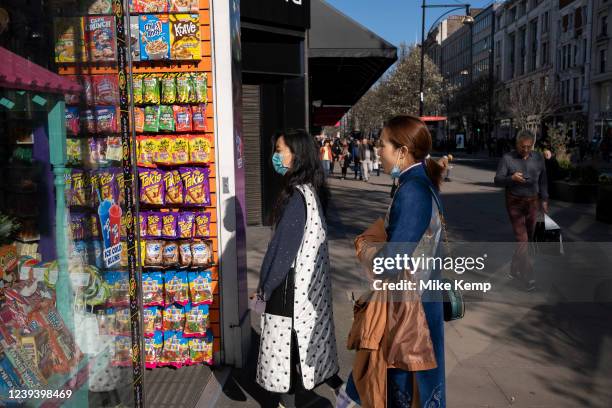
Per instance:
{"type": "Point", "coordinates": [386, 333]}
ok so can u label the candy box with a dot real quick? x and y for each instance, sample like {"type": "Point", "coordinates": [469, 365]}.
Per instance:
{"type": "Point", "coordinates": [101, 38]}
{"type": "Point", "coordinates": [69, 45]}
{"type": "Point", "coordinates": [154, 37]}
{"type": "Point", "coordinates": [185, 37]}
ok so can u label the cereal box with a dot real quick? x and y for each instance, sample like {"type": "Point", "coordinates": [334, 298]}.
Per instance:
{"type": "Point", "coordinates": [151, 6]}
{"type": "Point", "coordinates": [134, 36]}
{"type": "Point", "coordinates": [154, 37]}
{"type": "Point", "coordinates": [69, 39]}
{"type": "Point", "coordinates": [100, 38]}
{"type": "Point", "coordinates": [183, 6]}
{"type": "Point", "coordinates": [100, 7]}
{"type": "Point", "coordinates": [185, 37]}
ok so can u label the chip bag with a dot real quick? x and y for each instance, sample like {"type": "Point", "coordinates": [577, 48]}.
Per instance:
{"type": "Point", "coordinates": [185, 256]}
{"type": "Point", "coordinates": [199, 117]}
{"type": "Point", "coordinates": [180, 150]}
{"type": "Point", "coordinates": [184, 88]}
{"type": "Point", "coordinates": [168, 84]}
{"type": "Point", "coordinates": [201, 253]}
{"type": "Point", "coordinates": [174, 187]}
{"type": "Point", "coordinates": [169, 227]}
{"type": "Point", "coordinates": [200, 80]}
{"type": "Point", "coordinates": [147, 148]}
{"type": "Point", "coordinates": [166, 118]}
{"type": "Point", "coordinates": [197, 188]}
{"type": "Point", "coordinates": [151, 119]}
{"type": "Point", "coordinates": [163, 155]}
{"type": "Point", "coordinates": [150, 89]}
{"type": "Point", "coordinates": [153, 253]}
{"type": "Point", "coordinates": [154, 224]}
{"type": "Point", "coordinates": [182, 118]}
{"type": "Point", "coordinates": [171, 254]}
{"type": "Point", "coordinates": [185, 225]}
{"type": "Point", "coordinates": [137, 89]}
{"type": "Point", "coordinates": [200, 149]}
{"type": "Point", "coordinates": [202, 225]}
{"type": "Point", "coordinates": [139, 119]}
{"type": "Point", "coordinates": [151, 186]}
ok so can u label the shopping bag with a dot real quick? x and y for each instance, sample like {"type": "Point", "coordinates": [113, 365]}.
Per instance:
{"type": "Point", "coordinates": [548, 236]}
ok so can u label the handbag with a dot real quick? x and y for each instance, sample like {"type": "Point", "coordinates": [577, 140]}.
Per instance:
{"type": "Point", "coordinates": [547, 230]}
{"type": "Point", "coordinates": [274, 359]}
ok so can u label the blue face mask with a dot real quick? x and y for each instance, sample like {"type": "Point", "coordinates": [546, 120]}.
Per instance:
{"type": "Point", "coordinates": [277, 163]}
{"type": "Point", "coordinates": [395, 171]}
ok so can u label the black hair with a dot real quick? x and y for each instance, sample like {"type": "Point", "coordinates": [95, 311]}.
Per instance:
{"type": "Point", "coordinates": [306, 168]}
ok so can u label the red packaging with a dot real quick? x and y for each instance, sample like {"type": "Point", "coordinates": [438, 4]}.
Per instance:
{"type": "Point", "coordinates": [101, 38]}
{"type": "Point", "coordinates": [106, 89]}
{"type": "Point", "coordinates": [182, 118]}
{"type": "Point", "coordinates": [199, 117]}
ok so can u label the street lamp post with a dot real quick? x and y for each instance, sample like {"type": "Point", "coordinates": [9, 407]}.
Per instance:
{"type": "Point", "coordinates": [424, 6]}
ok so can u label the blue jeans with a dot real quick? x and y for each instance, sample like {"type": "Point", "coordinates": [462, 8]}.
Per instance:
{"type": "Point", "coordinates": [326, 166]}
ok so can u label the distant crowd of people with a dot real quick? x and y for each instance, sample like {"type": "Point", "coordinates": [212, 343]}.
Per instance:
{"type": "Point", "coordinates": [361, 155]}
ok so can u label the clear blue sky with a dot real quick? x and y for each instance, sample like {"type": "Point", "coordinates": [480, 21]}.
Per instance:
{"type": "Point", "coordinates": [396, 20]}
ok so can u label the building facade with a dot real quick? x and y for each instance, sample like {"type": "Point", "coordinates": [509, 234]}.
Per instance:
{"type": "Point", "coordinates": [600, 118]}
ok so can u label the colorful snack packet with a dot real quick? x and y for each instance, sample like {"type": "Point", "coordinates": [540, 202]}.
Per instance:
{"type": "Point", "coordinates": [182, 118]}
{"type": "Point", "coordinates": [139, 119]}
{"type": "Point", "coordinates": [173, 318]}
{"type": "Point", "coordinates": [175, 352]}
{"type": "Point", "coordinates": [114, 149]}
{"type": "Point", "coordinates": [73, 121]}
{"type": "Point", "coordinates": [184, 88]}
{"type": "Point", "coordinates": [123, 352]}
{"type": "Point", "coordinates": [180, 150]}
{"type": "Point", "coordinates": [74, 153]}
{"type": "Point", "coordinates": [153, 349]}
{"type": "Point", "coordinates": [177, 288]}
{"type": "Point", "coordinates": [201, 349]}
{"type": "Point", "coordinates": [169, 227]}
{"type": "Point", "coordinates": [151, 186]}
{"type": "Point", "coordinates": [152, 320]}
{"type": "Point", "coordinates": [200, 80]}
{"type": "Point", "coordinates": [163, 155]}
{"type": "Point", "coordinates": [78, 188]}
{"type": "Point", "coordinates": [107, 185]}
{"type": "Point", "coordinates": [171, 254]}
{"type": "Point", "coordinates": [106, 89]}
{"type": "Point", "coordinates": [200, 288]}
{"type": "Point", "coordinates": [120, 178]}
{"type": "Point", "coordinates": [154, 224]}
{"type": "Point", "coordinates": [137, 89]}
{"type": "Point", "coordinates": [124, 261]}
{"type": "Point", "coordinates": [106, 119]}
{"type": "Point", "coordinates": [122, 322]}
{"type": "Point", "coordinates": [151, 118]}
{"type": "Point", "coordinates": [184, 6]}
{"type": "Point", "coordinates": [199, 117]}
{"type": "Point", "coordinates": [185, 225]}
{"type": "Point", "coordinates": [93, 226]}
{"type": "Point", "coordinates": [152, 6]}
{"type": "Point", "coordinates": [153, 289]}
{"type": "Point", "coordinates": [147, 148]}
{"type": "Point", "coordinates": [197, 188]}
{"type": "Point", "coordinates": [185, 41]}
{"type": "Point", "coordinates": [142, 224]}
{"type": "Point", "coordinates": [201, 253]}
{"type": "Point", "coordinates": [202, 225]}
{"type": "Point", "coordinates": [200, 149]}
{"type": "Point", "coordinates": [153, 253]}
{"type": "Point", "coordinates": [168, 84]}
{"type": "Point", "coordinates": [185, 256]}
{"type": "Point", "coordinates": [150, 89]}
{"type": "Point", "coordinates": [196, 320]}
{"type": "Point", "coordinates": [166, 118]}
{"type": "Point", "coordinates": [174, 187]}
{"type": "Point", "coordinates": [77, 226]}
{"type": "Point", "coordinates": [118, 283]}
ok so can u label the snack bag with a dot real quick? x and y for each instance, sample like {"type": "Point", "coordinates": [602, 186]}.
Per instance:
{"type": "Point", "coordinates": [151, 118]}
{"type": "Point", "coordinates": [153, 289]}
{"type": "Point", "coordinates": [134, 38]}
{"type": "Point", "coordinates": [114, 149]}
{"type": "Point", "coordinates": [137, 89]}
{"type": "Point", "coordinates": [123, 352]}
{"type": "Point", "coordinates": [107, 185]}
{"type": "Point", "coordinates": [98, 7]}
{"type": "Point", "coordinates": [152, 320]}
{"type": "Point", "coordinates": [97, 152]}
{"type": "Point", "coordinates": [74, 154]}
{"type": "Point", "coordinates": [142, 225]}
{"type": "Point", "coordinates": [180, 150]}
{"type": "Point", "coordinates": [100, 38]}
{"type": "Point", "coordinates": [166, 118]}
{"type": "Point", "coordinates": [174, 187]}
{"type": "Point", "coordinates": [147, 148]}
{"type": "Point", "coordinates": [168, 84]}
{"type": "Point", "coordinates": [122, 322]}
{"type": "Point", "coordinates": [173, 318]}
{"type": "Point", "coordinates": [152, 6]}
{"type": "Point", "coordinates": [169, 226]}
{"type": "Point", "coordinates": [185, 225]}
{"type": "Point", "coordinates": [199, 117]}
{"type": "Point", "coordinates": [124, 261]}
{"type": "Point", "coordinates": [176, 349]}
{"type": "Point", "coordinates": [182, 118]}
{"type": "Point", "coordinates": [151, 186]}
{"type": "Point", "coordinates": [78, 189]}
{"type": "Point", "coordinates": [201, 349]}
{"type": "Point", "coordinates": [154, 37]}
{"type": "Point", "coordinates": [202, 225]}
{"type": "Point", "coordinates": [184, 88]}
{"type": "Point", "coordinates": [118, 283]}
{"type": "Point", "coordinates": [106, 119]}
{"type": "Point", "coordinates": [153, 349]}
{"type": "Point", "coordinates": [153, 253]}
{"type": "Point", "coordinates": [185, 41]}
{"type": "Point", "coordinates": [163, 155]}
{"type": "Point", "coordinates": [154, 224]}
{"type": "Point", "coordinates": [94, 226]}
{"type": "Point", "coordinates": [200, 149]}
{"type": "Point", "coordinates": [171, 254]}
{"type": "Point", "coordinates": [197, 189]}
{"type": "Point", "coordinates": [184, 6]}
{"type": "Point", "coordinates": [106, 89]}
{"type": "Point", "coordinates": [150, 89]}
{"type": "Point", "coordinates": [177, 288]}
{"type": "Point", "coordinates": [119, 176]}
{"type": "Point", "coordinates": [185, 256]}
{"type": "Point", "coordinates": [200, 288]}
{"type": "Point", "coordinates": [69, 46]}
{"type": "Point", "coordinates": [196, 320]}
{"type": "Point", "coordinates": [200, 80]}
{"type": "Point", "coordinates": [73, 121]}
{"type": "Point", "coordinates": [77, 226]}
{"type": "Point", "coordinates": [139, 119]}
{"type": "Point", "coordinates": [201, 253]}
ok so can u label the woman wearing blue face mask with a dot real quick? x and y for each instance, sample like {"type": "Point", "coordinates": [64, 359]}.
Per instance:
{"type": "Point", "coordinates": [298, 344]}
{"type": "Point", "coordinates": [401, 361]}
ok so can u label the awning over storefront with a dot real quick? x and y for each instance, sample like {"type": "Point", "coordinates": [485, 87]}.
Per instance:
{"type": "Point", "coordinates": [19, 73]}
{"type": "Point", "coordinates": [345, 60]}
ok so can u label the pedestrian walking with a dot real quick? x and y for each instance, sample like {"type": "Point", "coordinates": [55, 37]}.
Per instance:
{"type": "Point", "coordinates": [336, 151]}
{"type": "Point", "coordinates": [345, 159]}
{"type": "Point", "coordinates": [295, 281]}
{"type": "Point", "coordinates": [366, 155]}
{"type": "Point", "coordinates": [523, 174]}
{"type": "Point", "coordinates": [357, 158]}
{"type": "Point", "coordinates": [326, 157]}
{"type": "Point", "coordinates": [376, 162]}
{"type": "Point", "coordinates": [402, 364]}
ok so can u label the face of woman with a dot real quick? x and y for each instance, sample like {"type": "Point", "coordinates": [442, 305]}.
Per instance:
{"type": "Point", "coordinates": [389, 154]}
{"type": "Point", "coordinates": [284, 151]}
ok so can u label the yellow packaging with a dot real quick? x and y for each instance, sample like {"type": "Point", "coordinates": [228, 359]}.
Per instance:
{"type": "Point", "coordinates": [185, 41]}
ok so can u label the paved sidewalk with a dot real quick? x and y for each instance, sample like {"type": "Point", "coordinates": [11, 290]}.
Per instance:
{"type": "Point", "coordinates": [522, 350]}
